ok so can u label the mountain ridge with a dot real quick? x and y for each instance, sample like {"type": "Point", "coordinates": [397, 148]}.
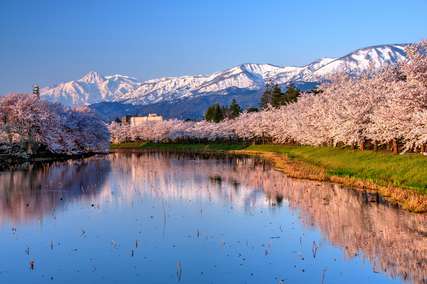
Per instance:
{"type": "Point", "coordinates": [94, 87]}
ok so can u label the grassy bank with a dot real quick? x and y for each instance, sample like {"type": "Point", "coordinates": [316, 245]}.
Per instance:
{"type": "Point", "coordinates": [129, 145]}
{"type": "Point", "coordinates": [408, 171]}
{"type": "Point", "coordinates": [214, 147]}
{"type": "Point", "coordinates": [399, 178]}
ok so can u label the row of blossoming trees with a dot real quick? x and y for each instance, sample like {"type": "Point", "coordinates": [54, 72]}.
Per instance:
{"type": "Point", "coordinates": [387, 108]}
{"type": "Point", "coordinates": [30, 124]}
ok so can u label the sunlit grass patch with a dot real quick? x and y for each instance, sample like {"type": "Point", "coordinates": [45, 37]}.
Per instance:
{"type": "Point", "coordinates": [128, 145]}
{"type": "Point", "coordinates": [408, 170]}
{"type": "Point", "coordinates": [197, 147]}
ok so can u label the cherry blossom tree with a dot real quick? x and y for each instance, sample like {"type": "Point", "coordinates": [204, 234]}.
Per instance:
{"type": "Point", "coordinates": [29, 122]}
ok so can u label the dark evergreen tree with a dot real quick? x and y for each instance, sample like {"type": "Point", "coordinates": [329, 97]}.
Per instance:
{"type": "Point", "coordinates": [215, 113]}
{"type": "Point", "coordinates": [234, 110]}
{"type": "Point", "coordinates": [218, 113]}
{"type": "Point", "coordinates": [225, 112]}
{"type": "Point", "coordinates": [315, 91]}
{"type": "Point", "coordinates": [276, 96]}
{"type": "Point", "coordinates": [209, 114]}
{"type": "Point", "coordinates": [266, 98]}
{"type": "Point", "coordinates": [273, 96]}
{"type": "Point", "coordinates": [291, 95]}
{"type": "Point", "coordinates": [252, 109]}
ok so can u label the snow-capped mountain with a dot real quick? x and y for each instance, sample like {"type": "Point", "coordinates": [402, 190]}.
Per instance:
{"type": "Point", "coordinates": [95, 88]}
{"type": "Point", "coordinates": [91, 88]}
{"type": "Point", "coordinates": [361, 59]}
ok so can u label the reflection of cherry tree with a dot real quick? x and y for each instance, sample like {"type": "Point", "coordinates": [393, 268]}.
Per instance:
{"type": "Point", "coordinates": [38, 190]}
{"type": "Point", "coordinates": [387, 106]}
{"type": "Point", "coordinates": [216, 180]}
{"type": "Point", "coordinates": [394, 241]}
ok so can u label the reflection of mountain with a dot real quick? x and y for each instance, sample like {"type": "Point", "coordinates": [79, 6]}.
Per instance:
{"type": "Point", "coordinates": [37, 190]}
{"type": "Point", "coordinates": [394, 241]}
{"type": "Point", "coordinates": [176, 178]}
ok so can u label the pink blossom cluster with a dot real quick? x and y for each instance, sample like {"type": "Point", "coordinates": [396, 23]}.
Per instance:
{"type": "Point", "coordinates": [25, 119]}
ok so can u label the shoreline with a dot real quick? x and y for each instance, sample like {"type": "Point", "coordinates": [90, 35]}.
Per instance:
{"type": "Point", "coordinates": [7, 162]}
{"type": "Point", "coordinates": [411, 199]}
{"type": "Point", "coordinates": [405, 198]}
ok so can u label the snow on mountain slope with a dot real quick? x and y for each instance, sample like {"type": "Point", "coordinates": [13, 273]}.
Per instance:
{"type": "Point", "coordinates": [246, 76]}
{"type": "Point", "coordinates": [361, 59]}
{"type": "Point", "coordinates": [94, 88]}
{"type": "Point", "coordinates": [91, 88]}
{"type": "Point", "coordinates": [153, 91]}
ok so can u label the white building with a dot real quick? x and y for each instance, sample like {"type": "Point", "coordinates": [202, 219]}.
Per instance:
{"type": "Point", "coordinates": [139, 120]}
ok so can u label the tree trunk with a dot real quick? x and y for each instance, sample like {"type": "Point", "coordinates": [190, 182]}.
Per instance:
{"type": "Point", "coordinates": [395, 147]}
{"type": "Point", "coordinates": [362, 145]}
{"type": "Point", "coordinates": [375, 146]}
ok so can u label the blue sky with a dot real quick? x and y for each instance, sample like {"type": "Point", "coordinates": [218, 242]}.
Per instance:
{"type": "Point", "coordinates": [53, 41]}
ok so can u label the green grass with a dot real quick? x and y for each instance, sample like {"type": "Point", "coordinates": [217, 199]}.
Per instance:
{"type": "Point", "coordinates": [213, 147]}
{"type": "Point", "coordinates": [129, 145]}
{"type": "Point", "coordinates": [405, 171]}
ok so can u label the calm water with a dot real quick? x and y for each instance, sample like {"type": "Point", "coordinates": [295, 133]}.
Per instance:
{"type": "Point", "coordinates": [163, 218]}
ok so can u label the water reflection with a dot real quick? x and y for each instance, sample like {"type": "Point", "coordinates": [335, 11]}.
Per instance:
{"type": "Point", "coordinates": [35, 190]}
{"type": "Point", "coordinates": [174, 177]}
{"type": "Point", "coordinates": [392, 240]}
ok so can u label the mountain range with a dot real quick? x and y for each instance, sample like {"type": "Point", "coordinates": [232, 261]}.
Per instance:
{"type": "Point", "coordinates": [188, 96]}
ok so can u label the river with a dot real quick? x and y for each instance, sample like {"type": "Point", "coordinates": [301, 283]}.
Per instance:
{"type": "Point", "coordinates": [134, 217]}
